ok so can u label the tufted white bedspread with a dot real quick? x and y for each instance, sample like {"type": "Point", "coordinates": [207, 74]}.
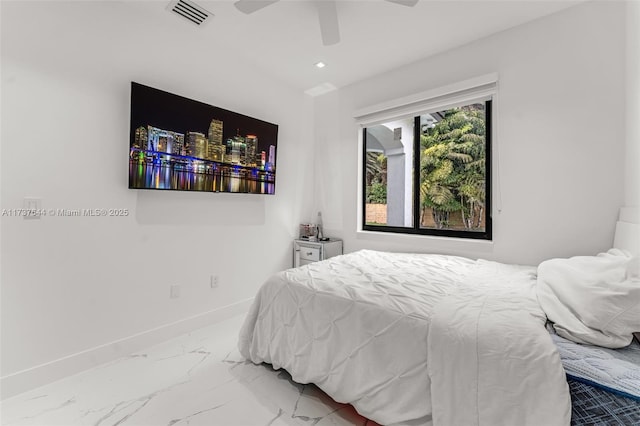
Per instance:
{"type": "Point", "coordinates": [413, 339]}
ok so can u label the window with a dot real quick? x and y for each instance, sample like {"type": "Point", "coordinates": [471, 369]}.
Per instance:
{"type": "Point", "coordinates": [429, 173]}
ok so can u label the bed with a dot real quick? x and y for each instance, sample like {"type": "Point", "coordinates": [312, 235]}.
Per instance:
{"type": "Point", "coordinates": [604, 382]}
{"type": "Point", "coordinates": [414, 339]}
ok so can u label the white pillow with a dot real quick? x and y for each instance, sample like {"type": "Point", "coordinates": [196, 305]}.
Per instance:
{"type": "Point", "coordinates": [627, 237]}
{"type": "Point", "coordinates": [592, 299]}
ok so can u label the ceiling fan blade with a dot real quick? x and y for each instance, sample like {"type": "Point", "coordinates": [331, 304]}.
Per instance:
{"type": "Point", "coordinates": [329, 27]}
{"type": "Point", "coordinates": [250, 6]}
{"type": "Point", "coordinates": [409, 3]}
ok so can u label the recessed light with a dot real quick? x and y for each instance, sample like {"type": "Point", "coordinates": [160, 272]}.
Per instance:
{"type": "Point", "coordinates": [320, 64]}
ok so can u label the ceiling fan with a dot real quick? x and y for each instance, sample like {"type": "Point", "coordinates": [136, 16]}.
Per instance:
{"type": "Point", "coordinates": [327, 15]}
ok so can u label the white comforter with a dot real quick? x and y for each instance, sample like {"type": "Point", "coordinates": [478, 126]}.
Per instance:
{"type": "Point", "coordinates": [592, 299]}
{"type": "Point", "coordinates": [410, 338]}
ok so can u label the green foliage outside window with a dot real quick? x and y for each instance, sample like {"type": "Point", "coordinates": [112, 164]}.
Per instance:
{"type": "Point", "coordinates": [377, 193]}
{"type": "Point", "coordinates": [376, 184]}
{"type": "Point", "coordinates": [452, 167]}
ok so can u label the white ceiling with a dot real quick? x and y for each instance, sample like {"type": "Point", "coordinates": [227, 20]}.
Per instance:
{"type": "Point", "coordinates": [283, 39]}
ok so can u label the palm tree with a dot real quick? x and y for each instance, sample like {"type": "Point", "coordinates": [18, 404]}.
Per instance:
{"type": "Point", "coordinates": [452, 174]}
{"type": "Point", "coordinates": [376, 178]}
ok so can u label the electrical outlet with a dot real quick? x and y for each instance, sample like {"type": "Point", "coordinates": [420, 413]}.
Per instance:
{"type": "Point", "coordinates": [214, 281]}
{"type": "Point", "coordinates": [174, 291]}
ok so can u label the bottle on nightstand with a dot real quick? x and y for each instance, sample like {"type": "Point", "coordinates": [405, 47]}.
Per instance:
{"type": "Point", "coordinates": [321, 236]}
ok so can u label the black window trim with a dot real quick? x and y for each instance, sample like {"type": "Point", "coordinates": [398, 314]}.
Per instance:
{"type": "Point", "coordinates": [487, 234]}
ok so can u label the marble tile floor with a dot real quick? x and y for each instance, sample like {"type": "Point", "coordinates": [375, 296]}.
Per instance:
{"type": "Point", "coordinates": [195, 379]}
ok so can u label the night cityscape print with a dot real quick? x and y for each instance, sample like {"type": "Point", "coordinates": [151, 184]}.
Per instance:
{"type": "Point", "coordinates": [181, 144]}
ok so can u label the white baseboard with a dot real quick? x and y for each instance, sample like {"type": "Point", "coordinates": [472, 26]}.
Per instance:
{"type": "Point", "coordinates": [31, 378]}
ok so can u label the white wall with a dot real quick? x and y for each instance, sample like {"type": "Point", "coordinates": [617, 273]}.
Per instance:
{"type": "Point", "coordinates": [632, 157]}
{"type": "Point", "coordinates": [73, 284]}
{"type": "Point", "coordinates": [559, 137]}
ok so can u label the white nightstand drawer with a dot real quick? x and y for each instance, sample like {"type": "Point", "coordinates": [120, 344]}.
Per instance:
{"type": "Point", "coordinates": [310, 253]}
{"type": "Point", "coordinates": [305, 252]}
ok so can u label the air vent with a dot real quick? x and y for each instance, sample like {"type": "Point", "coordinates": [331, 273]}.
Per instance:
{"type": "Point", "coordinates": [190, 11]}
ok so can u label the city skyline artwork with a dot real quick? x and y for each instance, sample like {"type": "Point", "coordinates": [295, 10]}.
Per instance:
{"type": "Point", "coordinates": [181, 144]}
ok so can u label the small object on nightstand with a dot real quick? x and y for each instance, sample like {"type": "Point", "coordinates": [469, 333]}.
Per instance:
{"type": "Point", "coordinates": [308, 231]}
{"type": "Point", "coordinates": [319, 226]}
{"type": "Point", "coordinates": [306, 251]}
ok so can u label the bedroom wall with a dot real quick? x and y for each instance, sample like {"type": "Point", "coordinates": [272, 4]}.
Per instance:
{"type": "Point", "coordinates": [77, 291]}
{"type": "Point", "coordinates": [559, 142]}
{"type": "Point", "coordinates": [632, 157]}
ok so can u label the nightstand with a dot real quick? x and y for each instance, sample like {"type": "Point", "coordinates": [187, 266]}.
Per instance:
{"type": "Point", "coordinates": [305, 251]}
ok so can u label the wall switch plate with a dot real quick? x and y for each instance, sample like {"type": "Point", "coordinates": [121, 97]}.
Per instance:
{"type": "Point", "coordinates": [174, 291]}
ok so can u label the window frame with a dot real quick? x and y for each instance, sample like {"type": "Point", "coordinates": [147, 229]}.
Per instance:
{"type": "Point", "coordinates": [487, 234]}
